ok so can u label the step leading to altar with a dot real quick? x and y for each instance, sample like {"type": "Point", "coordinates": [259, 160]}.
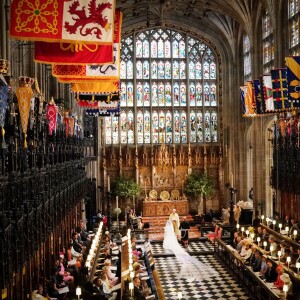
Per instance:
{"type": "Point", "coordinates": [157, 224]}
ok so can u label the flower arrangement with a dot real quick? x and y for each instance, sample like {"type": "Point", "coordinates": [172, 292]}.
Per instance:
{"type": "Point", "coordinates": [117, 210]}
{"type": "Point", "coordinates": [251, 229]}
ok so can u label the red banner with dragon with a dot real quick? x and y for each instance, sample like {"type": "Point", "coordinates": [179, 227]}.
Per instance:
{"type": "Point", "coordinates": [84, 21]}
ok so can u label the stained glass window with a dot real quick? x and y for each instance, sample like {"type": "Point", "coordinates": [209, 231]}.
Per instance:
{"type": "Point", "coordinates": [268, 43]}
{"type": "Point", "coordinates": [247, 58]}
{"type": "Point", "coordinates": [169, 90]}
{"type": "Point", "coordinates": [294, 20]}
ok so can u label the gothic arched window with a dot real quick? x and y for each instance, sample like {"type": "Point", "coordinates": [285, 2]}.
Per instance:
{"type": "Point", "coordinates": [294, 21]}
{"type": "Point", "coordinates": [268, 43]}
{"type": "Point", "coordinates": [247, 58]}
{"type": "Point", "coordinates": [169, 90]}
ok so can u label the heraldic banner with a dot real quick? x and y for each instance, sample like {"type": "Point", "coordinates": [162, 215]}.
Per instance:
{"type": "Point", "coordinates": [293, 78]}
{"type": "Point", "coordinates": [99, 63]}
{"type": "Point", "coordinates": [85, 21]}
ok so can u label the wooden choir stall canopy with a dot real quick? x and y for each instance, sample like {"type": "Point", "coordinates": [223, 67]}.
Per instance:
{"type": "Point", "coordinates": [163, 204]}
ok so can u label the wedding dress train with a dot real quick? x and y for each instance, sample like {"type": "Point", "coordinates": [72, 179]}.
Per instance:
{"type": "Point", "coordinates": [191, 269]}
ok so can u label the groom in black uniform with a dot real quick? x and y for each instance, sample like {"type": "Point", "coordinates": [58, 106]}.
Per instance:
{"type": "Point", "coordinates": [184, 227]}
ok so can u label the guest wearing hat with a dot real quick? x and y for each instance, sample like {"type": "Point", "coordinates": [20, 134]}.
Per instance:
{"type": "Point", "coordinates": [279, 283]}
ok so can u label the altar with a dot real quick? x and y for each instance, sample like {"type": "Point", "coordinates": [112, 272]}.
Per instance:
{"type": "Point", "coordinates": [164, 208]}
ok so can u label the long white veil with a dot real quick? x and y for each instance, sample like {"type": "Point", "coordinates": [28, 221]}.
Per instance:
{"type": "Point", "coordinates": [191, 269]}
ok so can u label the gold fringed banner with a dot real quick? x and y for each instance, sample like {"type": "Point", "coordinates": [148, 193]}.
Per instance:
{"type": "Point", "coordinates": [24, 93]}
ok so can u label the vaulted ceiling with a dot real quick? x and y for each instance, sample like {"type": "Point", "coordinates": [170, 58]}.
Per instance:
{"type": "Point", "coordinates": [225, 20]}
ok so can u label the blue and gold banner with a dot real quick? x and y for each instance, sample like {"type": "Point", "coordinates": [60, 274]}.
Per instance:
{"type": "Point", "coordinates": [280, 90]}
{"type": "Point", "coordinates": [258, 95]}
{"type": "Point", "coordinates": [243, 92]}
{"type": "Point", "coordinates": [293, 79]}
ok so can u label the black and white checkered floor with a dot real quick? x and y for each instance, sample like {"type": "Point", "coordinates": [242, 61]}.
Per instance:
{"type": "Point", "coordinates": [194, 247]}
{"type": "Point", "coordinates": [219, 287]}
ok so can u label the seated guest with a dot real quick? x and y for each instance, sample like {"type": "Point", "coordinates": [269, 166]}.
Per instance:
{"type": "Point", "coordinates": [279, 283]}
{"type": "Point", "coordinates": [40, 294]}
{"type": "Point", "coordinates": [246, 250]}
{"type": "Point", "coordinates": [265, 235]}
{"type": "Point", "coordinates": [55, 285]}
{"type": "Point", "coordinates": [110, 275]}
{"type": "Point", "coordinates": [270, 274]}
{"type": "Point", "coordinates": [76, 245]}
{"type": "Point", "coordinates": [256, 266]}
{"type": "Point", "coordinates": [97, 287]}
{"type": "Point", "coordinates": [259, 233]}
{"type": "Point", "coordinates": [251, 258]}
{"type": "Point", "coordinates": [263, 266]}
{"type": "Point", "coordinates": [295, 258]}
{"type": "Point", "coordinates": [240, 243]}
{"type": "Point", "coordinates": [139, 294]}
{"type": "Point", "coordinates": [66, 277]}
{"type": "Point", "coordinates": [107, 288]}
{"type": "Point", "coordinates": [287, 222]}
{"type": "Point", "coordinates": [111, 280]}
{"type": "Point", "coordinates": [272, 242]}
{"type": "Point", "coordinates": [73, 261]}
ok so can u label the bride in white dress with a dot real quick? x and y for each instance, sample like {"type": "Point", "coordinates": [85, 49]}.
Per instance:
{"type": "Point", "coordinates": [191, 269]}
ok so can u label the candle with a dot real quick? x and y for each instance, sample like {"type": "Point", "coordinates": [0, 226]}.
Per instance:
{"type": "Point", "coordinates": [265, 244]}
{"type": "Point", "coordinates": [295, 234]}
{"type": "Point", "coordinates": [262, 219]}
{"type": "Point", "coordinates": [231, 179]}
{"type": "Point", "coordinates": [298, 266]}
{"type": "Point", "coordinates": [131, 287]}
{"type": "Point", "coordinates": [258, 239]}
{"type": "Point", "coordinates": [279, 254]}
{"type": "Point", "coordinates": [287, 229]}
{"type": "Point", "coordinates": [242, 229]}
{"type": "Point", "coordinates": [288, 260]}
{"type": "Point", "coordinates": [271, 248]}
{"type": "Point", "coordinates": [117, 201]}
{"type": "Point", "coordinates": [285, 289]}
{"type": "Point", "coordinates": [274, 222]}
{"type": "Point", "coordinates": [280, 226]}
{"type": "Point", "coordinates": [252, 236]}
{"type": "Point", "coordinates": [247, 232]}
{"type": "Point", "coordinates": [237, 226]}
{"type": "Point", "coordinates": [108, 183]}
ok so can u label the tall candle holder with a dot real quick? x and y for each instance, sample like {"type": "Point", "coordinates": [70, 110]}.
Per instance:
{"type": "Point", "coordinates": [247, 232]}
{"type": "Point", "coordinates": [280, 226]}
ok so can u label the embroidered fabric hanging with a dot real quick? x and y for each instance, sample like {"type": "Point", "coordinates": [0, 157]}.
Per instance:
{"type": "Point", "coordinates": [24, 94]}
{"type": "Point", "coordinates": [51, 115]}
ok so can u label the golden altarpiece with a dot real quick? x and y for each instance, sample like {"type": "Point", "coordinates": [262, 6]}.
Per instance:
{"type": "Point", "coordinates": [161, 171]}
